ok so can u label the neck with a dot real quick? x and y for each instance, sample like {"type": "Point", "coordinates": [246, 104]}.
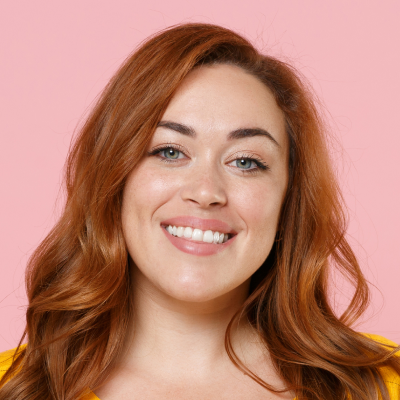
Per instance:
{"type": "Point", "coordinates": [180, 336]}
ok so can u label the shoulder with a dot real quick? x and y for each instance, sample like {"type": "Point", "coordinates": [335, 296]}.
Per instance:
{"type": "Point", "coordinates": [6, 359]}
{"type": "Point", "coordinates": [382, 340]}
{"type": "Point", "coordinates": [391, 378]}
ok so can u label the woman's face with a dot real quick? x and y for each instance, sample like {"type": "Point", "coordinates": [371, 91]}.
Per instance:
{"type": "Point", "coordinates": [218, 162]}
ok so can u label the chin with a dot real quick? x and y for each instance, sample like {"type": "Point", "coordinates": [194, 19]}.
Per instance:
{"type": "Point", "coordinates": [194, 292]}
{"type": "Point", "coordinates": [201, 291]}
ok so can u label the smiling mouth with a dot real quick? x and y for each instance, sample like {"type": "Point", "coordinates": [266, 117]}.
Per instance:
{"type": "Point", "coordinates": [198, 235]}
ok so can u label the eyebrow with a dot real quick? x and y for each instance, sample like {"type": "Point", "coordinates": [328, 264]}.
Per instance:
{"type": "Point", "coordinates": [240, 133]}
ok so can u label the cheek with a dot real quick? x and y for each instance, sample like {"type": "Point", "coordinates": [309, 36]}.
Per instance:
{"type": "Point", "coordinates": [259, 204]}
{"type": "Point", "coordinates": [145, 192]}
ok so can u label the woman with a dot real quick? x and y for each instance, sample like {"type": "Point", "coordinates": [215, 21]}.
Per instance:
{"type": "Point", "coordinates": [192, 258]}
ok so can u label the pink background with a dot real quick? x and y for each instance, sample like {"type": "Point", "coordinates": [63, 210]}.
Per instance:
{"type": "Point", "coordinates": [57, 56]}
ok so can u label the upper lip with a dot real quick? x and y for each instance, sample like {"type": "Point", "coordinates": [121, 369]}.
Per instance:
{"type": "Point", "coordinates": [200, 223]}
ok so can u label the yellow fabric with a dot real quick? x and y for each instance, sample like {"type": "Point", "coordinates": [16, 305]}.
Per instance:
{"type": "Point", "coordinates": [6, 360]}
{"type": "Point", "coordinates": [391, 379]}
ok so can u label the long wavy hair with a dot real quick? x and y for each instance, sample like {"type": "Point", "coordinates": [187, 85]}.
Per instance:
{"type": "Point", "coordinates": [78, 279]}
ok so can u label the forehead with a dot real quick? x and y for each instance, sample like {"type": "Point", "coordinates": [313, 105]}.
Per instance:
{"type": "Point", "coordinates": [221, 98]}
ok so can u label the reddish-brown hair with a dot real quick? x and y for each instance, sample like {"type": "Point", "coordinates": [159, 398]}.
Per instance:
{"type": "Point", "coordinates": [78, 281]}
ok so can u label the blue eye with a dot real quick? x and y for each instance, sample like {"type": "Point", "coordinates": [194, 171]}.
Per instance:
{"type": "Point", "coordinates": [249, 164]}
{"type": "Point", "coordinates": [170, 153]}
{"type": "Point", "coordinates": [244, 163]}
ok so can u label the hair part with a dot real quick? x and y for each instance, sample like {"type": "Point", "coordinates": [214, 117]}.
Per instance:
{"type": "Point", "coordinates": [78, 279]}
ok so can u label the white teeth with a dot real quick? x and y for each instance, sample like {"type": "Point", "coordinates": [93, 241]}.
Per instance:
{"type": "Point", "coordinates": [208, 237]}
{"type": "Point", "coordinates": [188, 232]}
{"type": "Point", "coordinates": [179, 231]}
{"type": "Point", "coordinates": [197, 234]}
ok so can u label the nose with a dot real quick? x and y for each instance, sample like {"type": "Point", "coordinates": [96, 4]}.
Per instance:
{"type": "Point", "coordinates": [205, 187]}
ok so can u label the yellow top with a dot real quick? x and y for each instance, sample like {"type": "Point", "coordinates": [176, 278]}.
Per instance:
{"type": "Point", "coordinates": [391, 378]}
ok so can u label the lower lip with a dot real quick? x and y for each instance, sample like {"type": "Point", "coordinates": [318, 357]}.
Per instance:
{"type": "Point", "coordinates": [197, 248]}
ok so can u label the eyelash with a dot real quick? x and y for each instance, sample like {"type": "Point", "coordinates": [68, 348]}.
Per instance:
{"type": "Point", "coordinates": [261, 165]}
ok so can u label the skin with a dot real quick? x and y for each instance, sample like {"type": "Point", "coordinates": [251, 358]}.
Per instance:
{"type": "Point", "coordinates": [183, 302]}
